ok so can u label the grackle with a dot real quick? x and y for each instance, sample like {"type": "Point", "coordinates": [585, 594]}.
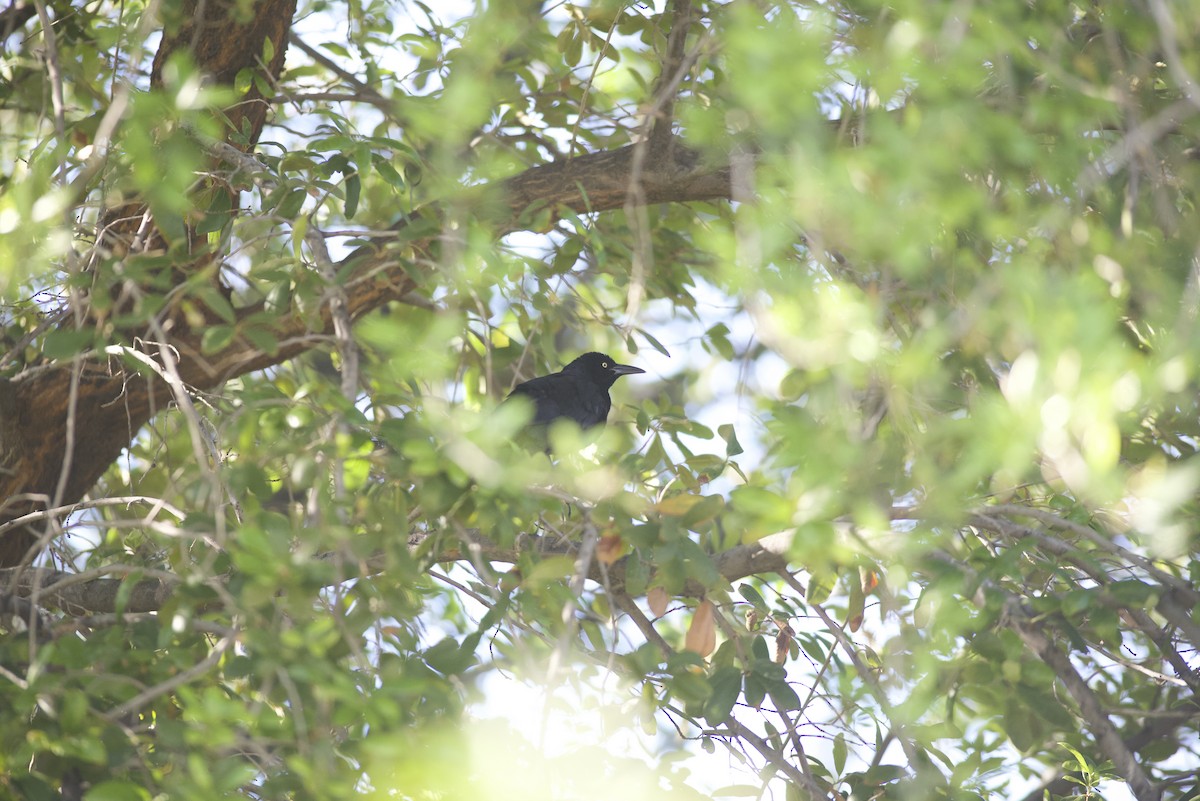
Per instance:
{"type": "Point", "coordinates": [578, 392]}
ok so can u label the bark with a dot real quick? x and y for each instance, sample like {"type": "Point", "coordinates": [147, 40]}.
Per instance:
{"type": "Point", "coordinates": [112, 401]}
{"type": "Point", "coordinates": [223, 42]}
{"type": "Point", "coordinates": [62, 425]}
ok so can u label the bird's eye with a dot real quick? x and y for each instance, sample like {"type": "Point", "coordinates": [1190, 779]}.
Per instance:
{"type": "Point", "coordinates": [604, 365]}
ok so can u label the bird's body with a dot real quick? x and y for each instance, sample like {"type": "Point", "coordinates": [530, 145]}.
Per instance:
{"type": "Point", "coordinates": [578, 392]}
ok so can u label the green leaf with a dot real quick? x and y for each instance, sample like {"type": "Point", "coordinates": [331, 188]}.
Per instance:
{"type": "Point", "coordinates": [125, 591]}
{"type": "Point", "coordinates": [217, 338]}
{"type": "Point", "coordinates": [709, 508]}
{"type": "Point", "coordinates": [31, 787]}
{"type": "Point", "coordinates": [117, 790]}
{"type": "Point", "coordinates": [637, 575]}
{"type": "Point", "coordinates": [262, 338]}
{"type": "Point", "coordinates": [291, 204]}
{"type": "Point", "coordinates": [64, 343]}
{"type": "Point", "coordinates": [732, 446]}
{"type": "Point", "coordinates": [216, 301]}
{"type": "Point", "coordinates": [388, 173]}
{"type": "Point", "coordinates": [758, 647]}
{"type": "Point", "coordinates": [243, 80]}
{"type": "Point", "coordinates": [756, 691]}
{"type": "Point", "coordinates": [448, 657]}
{"type": "Point", "coordinates": [726, 685]}
{"type": "Point", "coordinates": [217, 215]}
{"type": "Point", "coordinates": [654, 343]}
{"type": "Point", "coordinates": [839, 753]}
{"type": "Point", "coordinates": [338, 50]}
{"type": "Point", "coordinates": [353, 190]}
{"type": "Point", "coordinates": [752, 595]}
{"type": "Point", "coordinates": [820, 587]}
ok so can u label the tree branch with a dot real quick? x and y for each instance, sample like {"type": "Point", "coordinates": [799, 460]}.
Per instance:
{"type": "Point", "coordinates": [117, 400]}
{"type": "Point", "coordinates": [1022, 621]}
{"type": "Point", "coordinates": [66, 592]}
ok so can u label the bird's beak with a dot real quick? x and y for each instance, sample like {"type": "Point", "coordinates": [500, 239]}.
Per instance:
{"type": "Point", "coordinates": [625, 369]}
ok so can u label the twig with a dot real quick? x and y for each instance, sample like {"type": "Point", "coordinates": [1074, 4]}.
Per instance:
{"type": "Point", "coordinates": [587, 86]}
{"type": "Point", "coordinates": [1170, 44]}
{"type": "Point", "coordinates": [316, 55]}
{"type": "Point", "coordinates": [178, 680]}
{"type": "Point", "coordinates": [743, 733]}
{"type": "Point", "coordinates": [630, 607]}
{"type": "Point", "coordinates": [1022, 621]}
{"type": "Point", "coordinates": [97, 503]}
{"type": "Point", "coordinates": [1051, 519]}
{"type": "Point", "coordinates": [52, 68]}
{"type": "Point", "coordinates": [583, 568]}
{"type": "Point", "coordinates": [915, 758]}
{"type": "Point", "coordinates": [675, 66]}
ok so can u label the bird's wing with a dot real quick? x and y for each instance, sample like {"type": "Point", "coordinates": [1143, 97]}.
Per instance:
{"type": "Point", "coordinates": [551, 396]}
{"type": "Point", "coordinates": [568, 396]}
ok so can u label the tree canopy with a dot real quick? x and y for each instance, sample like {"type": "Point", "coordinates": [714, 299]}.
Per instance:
{"type": "Point", "coordinates": [906, 506]}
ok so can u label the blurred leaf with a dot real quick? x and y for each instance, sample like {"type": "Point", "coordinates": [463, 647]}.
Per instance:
{"type": "Point", "coordinates": [820, 587]}
{"type": "Point", "coordinates": [65, 343]}
{"type": "Point", "coordinates": [117, 790]}
{"type": "Point", "coordinates": [854, 606]}
{"type": "Point", "coordinates": [732, 446]}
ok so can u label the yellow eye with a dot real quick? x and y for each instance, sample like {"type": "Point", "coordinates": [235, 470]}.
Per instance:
{"type": "Point", "coordinates": [604, 365]}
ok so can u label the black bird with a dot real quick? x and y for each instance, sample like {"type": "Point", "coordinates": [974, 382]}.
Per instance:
{"type": "Point", "coordinates": [578, 392]}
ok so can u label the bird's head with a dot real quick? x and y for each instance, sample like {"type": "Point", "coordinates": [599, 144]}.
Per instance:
{"type": "Point", "coordinates": [602, 369]}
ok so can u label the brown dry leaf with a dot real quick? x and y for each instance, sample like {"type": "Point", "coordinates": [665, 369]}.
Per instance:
{"type": "Point", "coordinates": [658, 599]}
{"type": "Point", "coordinates": [783, 642]}
{"type": "Point", "coordinates": [610, 548]}
{"type": "Point", "coordinates": [752, 618]}
{"type": "Point", "coordinates": [702, 634]}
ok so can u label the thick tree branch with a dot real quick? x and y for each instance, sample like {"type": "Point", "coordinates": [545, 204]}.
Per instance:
{"type": "Point", "coordinates": [674, 67]}
{"type": "Point", "coordinates": [1102, 728]}
{"type": "Point", "coordinates": [53, 589]}
{"type": "Point", "coordinates": [115, 400]}
{"type": "Point", "coordinates": [107, 400]}
{"type": "Point", "coordinates": [115, 396]}
{"type": "Point", "coordinates": [17, 14]}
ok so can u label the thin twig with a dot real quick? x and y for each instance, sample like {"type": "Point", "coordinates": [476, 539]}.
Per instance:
{"type": "Point", "coordinates": [1170, 44]}
{"type": "Point", "coordinates": [1022, 621]}
{"type": "Point", "coordinates": [178, 680]}
{"type": "Point", "coordinates": [376, 98]}
{"type": "Point", "coordinates": [587, 86]}
{"type": "Point", "coordinates": [914, 756]}
{"type": "Point", "coordinates": [736, 729]}
{"type": "Point", "coordinates": [1105, 543]}
{"type": "Point", "coordinates": [583, 568]}
{"type": "Point", "coordinates": [52, 68]}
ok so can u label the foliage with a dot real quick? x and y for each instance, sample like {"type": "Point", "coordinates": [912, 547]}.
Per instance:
{"type": "Point", "coordinates": [908, 512]}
